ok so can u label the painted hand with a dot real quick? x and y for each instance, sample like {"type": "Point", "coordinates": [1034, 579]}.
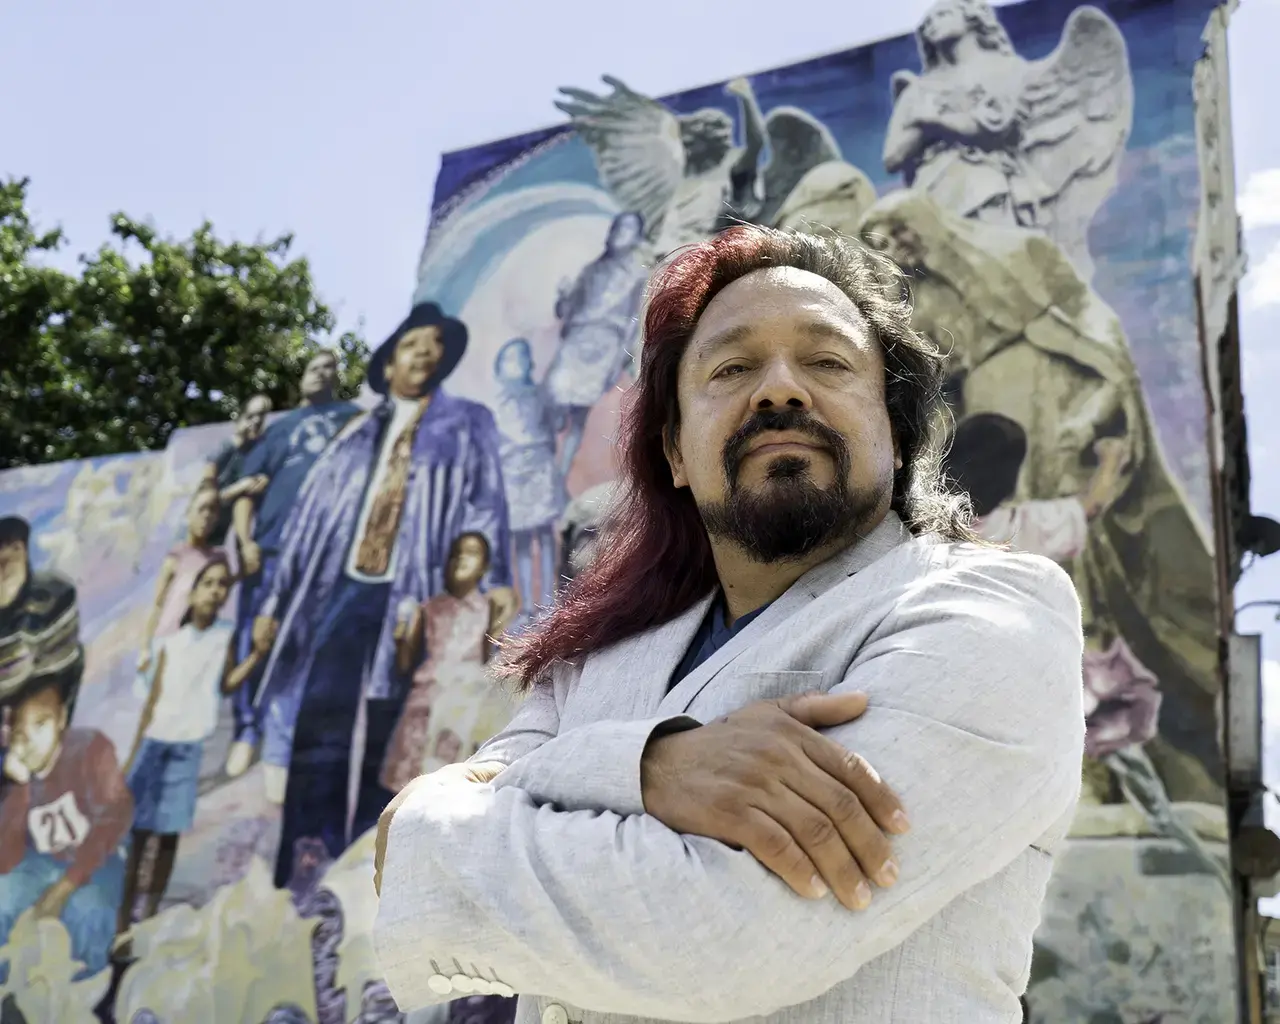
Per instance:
{"type": "Point", "coordinates": [453, 774]}
{"type": "Point", "coordinates": [54, 899]}
{"type": "Point", "coordinates": [265, 629]}
{"type": "Point", "coordinates": [250, 557]}
{"type": "Point", "coordinates": [763, 779]}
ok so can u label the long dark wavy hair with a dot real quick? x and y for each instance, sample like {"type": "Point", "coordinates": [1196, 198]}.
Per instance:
{"type": "Point", "coordinates": [653, 557]}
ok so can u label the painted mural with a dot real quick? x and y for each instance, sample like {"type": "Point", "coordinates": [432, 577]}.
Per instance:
{"type": "Point", "coordinates": [219, 662]}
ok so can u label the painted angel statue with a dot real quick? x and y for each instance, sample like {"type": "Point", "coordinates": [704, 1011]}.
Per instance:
{"type": "Point", "coordinates": [999, 138]}
{"type": "Point", "coordinates": [684, 174]}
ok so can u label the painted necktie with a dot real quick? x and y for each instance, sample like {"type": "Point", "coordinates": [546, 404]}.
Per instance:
{"type": "Point", "coordinates": [373, 557]}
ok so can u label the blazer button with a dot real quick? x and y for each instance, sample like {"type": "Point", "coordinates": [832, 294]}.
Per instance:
{"type": "Point", "coordinates": [555, 1014]}
{"type": "Point", "coordinates": [440, 985]}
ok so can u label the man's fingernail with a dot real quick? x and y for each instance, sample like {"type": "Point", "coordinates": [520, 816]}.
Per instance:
{"type": "Point", "coordinates": [862, 895]}
{"type": "Point", "coordinates": [898, 822]}
{"type": "Point", "coordinates": [888, 872]}
{"type": "Point", "coordinates": [818, 887]}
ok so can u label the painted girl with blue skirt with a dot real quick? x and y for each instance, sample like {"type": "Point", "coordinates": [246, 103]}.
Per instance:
{"type": "Point", "coordinates": [191, 670]}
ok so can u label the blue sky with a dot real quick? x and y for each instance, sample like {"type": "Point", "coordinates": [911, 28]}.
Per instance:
{"type": "Point", "coordinates": [327, 119]}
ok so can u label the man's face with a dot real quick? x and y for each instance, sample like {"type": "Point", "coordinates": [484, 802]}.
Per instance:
{"type": "Point", "coordinates": [13, 570]}
{"type": "Point", "coordinates": [253, 419]}
{"type": "Point", "coordinates": [210, 592]}
{"type": "Point", "coordinates": [415, 359]}
{"type": "Point", "coordinates": [320, 376]}
{"type": "Point", "coordinates": [38, 725]}
{"type": "Point", "coordinates": [202, 516]}
{"type": "Point", "coordinates": [470, 560]}
{"type": "Point", "coordinates": [784, 439]}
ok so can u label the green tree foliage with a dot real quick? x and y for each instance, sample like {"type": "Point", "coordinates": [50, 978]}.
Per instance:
{"type": "Point", "coordinates": [151, 336]}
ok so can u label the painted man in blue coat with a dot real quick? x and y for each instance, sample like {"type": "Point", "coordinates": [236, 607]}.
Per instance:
{"type": "Point", "coordinates": [367, 541]}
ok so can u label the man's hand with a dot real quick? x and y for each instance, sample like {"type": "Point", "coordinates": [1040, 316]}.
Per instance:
{"type": "Point", "coordinates": [250, 557]}
{"type": "Point", "coordinates": [763, 779]}
{"type": "Point", "coordinates": [466, 771]}
{"type": "Point", "coordinates": [52, 901]}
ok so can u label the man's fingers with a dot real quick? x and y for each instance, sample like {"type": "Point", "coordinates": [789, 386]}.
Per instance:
{"type": "Point", "coordinates": [824, 710]}
{"type": "Point", "coordinates": [774, 847]}
{"type": "Point", "coordinates": [859, 832]}
{"type": "Point", "coordinates": [856, 774]}
{"type": "Point", "coordinates": [822, 843]}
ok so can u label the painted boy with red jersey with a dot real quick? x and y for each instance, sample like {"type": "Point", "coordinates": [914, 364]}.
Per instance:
{"type": "Point", "coordinates": [65, 811]}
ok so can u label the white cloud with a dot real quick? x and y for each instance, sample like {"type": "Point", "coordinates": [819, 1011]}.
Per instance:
{"type": "Point", "coordinates": [1262, 282]}
{"type": "Point", "coordinates": [1259, 202]}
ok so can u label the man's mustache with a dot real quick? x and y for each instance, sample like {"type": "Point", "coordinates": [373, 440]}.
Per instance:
{"type": "Point", "coordinates": [797, 421]}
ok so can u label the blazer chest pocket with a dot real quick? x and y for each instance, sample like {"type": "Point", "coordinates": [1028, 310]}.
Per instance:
{"type": "Point", "coordinates": [735, 690]}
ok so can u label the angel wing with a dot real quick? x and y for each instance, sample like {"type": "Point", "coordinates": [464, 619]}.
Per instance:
{"type": "Point", "coordinates": [798, 142]}
{"type": "Point", "coordinates": [1079, 113]}
{"type": "Point", "coordinates": [637, 146]}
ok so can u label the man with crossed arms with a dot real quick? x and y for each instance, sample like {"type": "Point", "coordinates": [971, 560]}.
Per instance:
{"type": "Point", "coordinates": [691, 819]}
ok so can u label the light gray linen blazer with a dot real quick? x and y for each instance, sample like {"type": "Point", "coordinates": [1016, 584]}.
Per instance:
{"type": "Point", "coordinates": [554, 883]}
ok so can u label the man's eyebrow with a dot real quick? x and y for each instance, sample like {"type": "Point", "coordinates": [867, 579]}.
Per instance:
{"type": "Point", "coordinates": [827, 330]}
{"type": "Point", "coordinates": [823, 329]}
{"type": "Point", "coordinates": [729, 336]}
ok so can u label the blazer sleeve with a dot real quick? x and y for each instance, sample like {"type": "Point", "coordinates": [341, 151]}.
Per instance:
{"type": "Point", "coordinates": [534, 723]}
{"type": "Point", "coordinates": [977, 670]}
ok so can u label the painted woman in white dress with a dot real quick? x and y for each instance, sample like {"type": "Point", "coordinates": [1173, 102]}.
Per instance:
{"type": "Point", "coordinates": [598, 325]}
{"type": "Point", "coordinates": [525, 417]}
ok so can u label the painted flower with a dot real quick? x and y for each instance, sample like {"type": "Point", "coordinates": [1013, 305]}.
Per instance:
{"type": "Point", "coordinates": [1121, 700]}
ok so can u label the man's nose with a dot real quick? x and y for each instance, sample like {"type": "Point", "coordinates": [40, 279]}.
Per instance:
{"type": "Point", "coordinates": [780, 388]}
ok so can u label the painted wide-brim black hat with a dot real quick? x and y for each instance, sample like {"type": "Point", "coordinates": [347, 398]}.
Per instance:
{"type": "Point", "coordinates": [14, 528]}
{"type": "Point", "coordinates": [453, 341]}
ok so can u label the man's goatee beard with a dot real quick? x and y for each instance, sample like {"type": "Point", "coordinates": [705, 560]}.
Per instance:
{"type": "Point", "coordinates": [788, 517]}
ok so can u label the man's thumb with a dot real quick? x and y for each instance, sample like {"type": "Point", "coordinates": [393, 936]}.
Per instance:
{"type": "Point", "coordinates": [824, 710]}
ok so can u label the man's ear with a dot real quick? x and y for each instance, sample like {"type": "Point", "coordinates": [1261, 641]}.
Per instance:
{"type": "Point", "coordinates": [897, 455]}
{"type": "Point", "coordinates": [671, 448]}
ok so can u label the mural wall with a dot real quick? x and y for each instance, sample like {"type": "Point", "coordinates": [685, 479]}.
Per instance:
{"type": "Point", "coordinates": [219, 662]}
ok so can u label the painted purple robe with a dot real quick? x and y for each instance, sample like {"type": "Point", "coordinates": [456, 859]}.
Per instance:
{"type": "Point", "coordinates": [455, 487]}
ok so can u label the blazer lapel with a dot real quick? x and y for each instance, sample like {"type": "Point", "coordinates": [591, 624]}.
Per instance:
{"type": "Point", "coordinates": [882, 539]}
{"type": "Point", "coordinates": [643, 665]}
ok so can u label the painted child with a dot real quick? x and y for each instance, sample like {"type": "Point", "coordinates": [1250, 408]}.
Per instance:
{"type": "Point", "coordinates": [986, 459]}
{"type": "Point", "coordinates": [193, 669]}
{"type": "Point", "coordinates": [180, 567]}
{"type": "Point", "coordinates": [64, 817]}
{"type": "Point", "coordinates": [455, 627]}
